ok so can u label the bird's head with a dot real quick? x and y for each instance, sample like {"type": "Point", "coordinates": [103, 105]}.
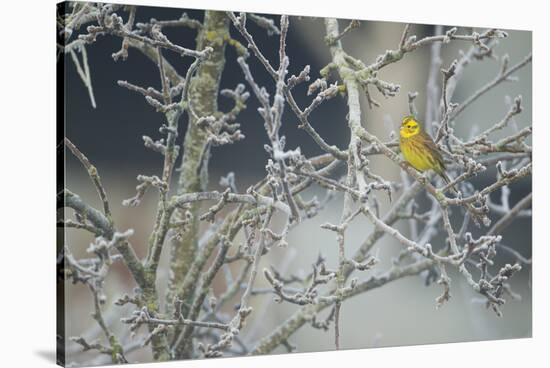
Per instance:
{"type": "Point", "coordinates": [409, 127]}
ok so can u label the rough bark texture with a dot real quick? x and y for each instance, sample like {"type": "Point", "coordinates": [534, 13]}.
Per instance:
{"type": "Point", "coordinates": [203, 97]}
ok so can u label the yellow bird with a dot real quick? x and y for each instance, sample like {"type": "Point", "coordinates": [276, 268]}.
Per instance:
{"type": "Point", "coordinates": [421, 152]}
{"type": "Point", "coordinates": [419, 149]}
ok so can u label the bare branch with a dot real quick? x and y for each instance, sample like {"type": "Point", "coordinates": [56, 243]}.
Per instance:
{"type": "Point", "coordinates": [503, 75]}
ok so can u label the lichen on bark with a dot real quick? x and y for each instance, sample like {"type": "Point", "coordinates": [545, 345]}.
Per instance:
{"type": "Point", "coordinates": [202, 101]}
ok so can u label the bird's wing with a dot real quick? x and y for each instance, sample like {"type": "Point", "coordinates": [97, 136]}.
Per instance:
{"type": "Point", "coordinates": [434, 150]}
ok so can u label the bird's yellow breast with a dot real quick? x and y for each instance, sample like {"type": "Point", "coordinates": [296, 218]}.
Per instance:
{"type": "Point", "coordinates": [414, 154]}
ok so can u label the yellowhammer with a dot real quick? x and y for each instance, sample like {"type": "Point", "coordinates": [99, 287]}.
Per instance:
{"type": "Point", "coordinates": [421, 152]}
{"type": "Point", "coordinates": [419, 149]}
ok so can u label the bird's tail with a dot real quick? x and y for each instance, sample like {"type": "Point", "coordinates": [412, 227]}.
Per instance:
{"type": "Point", "coordinates": [448, 180]}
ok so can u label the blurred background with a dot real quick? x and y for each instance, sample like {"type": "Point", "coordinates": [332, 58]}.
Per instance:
{"type": "Point", "coordinates": [400, 313]}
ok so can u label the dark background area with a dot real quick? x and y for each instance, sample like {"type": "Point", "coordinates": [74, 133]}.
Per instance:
{"type": "Point", "coordinates": [123, 117]}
